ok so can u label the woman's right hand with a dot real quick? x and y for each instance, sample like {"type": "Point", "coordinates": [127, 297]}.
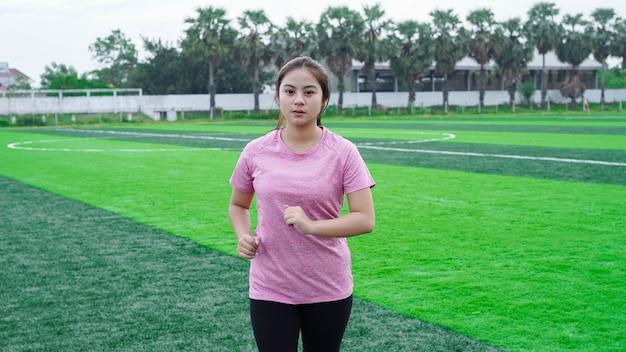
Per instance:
{"type": "Point", "coordinates": [247, 246]}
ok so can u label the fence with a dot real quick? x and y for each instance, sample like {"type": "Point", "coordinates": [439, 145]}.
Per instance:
{"type": "Point", "coordinates": [166, 106]}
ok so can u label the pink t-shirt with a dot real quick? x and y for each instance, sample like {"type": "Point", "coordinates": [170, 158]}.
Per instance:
{"type": "Point", "coordinates": [291, 267]}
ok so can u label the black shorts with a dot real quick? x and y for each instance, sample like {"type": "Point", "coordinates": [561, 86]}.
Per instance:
{"type": "Point", "coordinates": [277, 326]}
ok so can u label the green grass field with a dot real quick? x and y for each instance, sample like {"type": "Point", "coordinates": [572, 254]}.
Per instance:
{"type": "Point", "coordinates": [491, 231]}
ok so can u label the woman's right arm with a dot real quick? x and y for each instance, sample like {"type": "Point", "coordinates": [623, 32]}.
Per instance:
{"type": "Point", "coordinates": [239, 214]}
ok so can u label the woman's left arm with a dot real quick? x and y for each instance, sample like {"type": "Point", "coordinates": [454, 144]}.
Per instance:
{"type": "Point", "coordinates": [359, 220]}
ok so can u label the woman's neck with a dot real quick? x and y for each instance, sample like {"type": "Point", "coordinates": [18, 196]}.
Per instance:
{"type": "Point", "coordinates": [301, 140]}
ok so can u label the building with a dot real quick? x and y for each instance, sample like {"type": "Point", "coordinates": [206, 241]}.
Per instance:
{"type": "Point", "coordinates": [9, 76]}
{"type": "Point", "coordinates": [466, 76]}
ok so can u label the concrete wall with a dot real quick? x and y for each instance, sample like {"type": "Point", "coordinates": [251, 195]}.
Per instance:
{"type": "Point", "coordinates": [166, 106]}
{"type": "Point", "coordinates": [469, 98]}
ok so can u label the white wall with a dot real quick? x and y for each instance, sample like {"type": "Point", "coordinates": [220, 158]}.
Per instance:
{"type": "Point", "coordinates": [158, 105]}
{"type": "Point", "coordinates": [469, 98]}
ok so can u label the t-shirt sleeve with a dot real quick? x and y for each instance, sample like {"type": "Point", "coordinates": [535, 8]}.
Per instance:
{"type": "Point", "coordinates": [242, 178]}
{"type": "Point", "coordinates": [356, 175]}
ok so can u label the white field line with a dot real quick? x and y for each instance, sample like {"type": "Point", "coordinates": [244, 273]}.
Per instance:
{"type": "Point", "coordinates": [164, 135]}
{"type": "Point", "coordinates": [20, 145]}
{"type": "Point", "coordinates": [444, 137]}
{"type": "Point", "coordinates": [371, 145]}
{"type": "Point", "coordinates": [505, 156]}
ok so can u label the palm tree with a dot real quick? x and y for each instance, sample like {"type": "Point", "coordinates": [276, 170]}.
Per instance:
{"type": "Point", "coordinates": [574, 48]}
{"type": "Point", "coordinates": [481, 47]}
{"type": "Point", "coordinates": [546, 34]}
{"type": "Point", "coordinates": [415, 53]}
{"type": "Point", "coordinates": [451, 45]}
{"type": "Point", "coordinates": [255, 47]}
{"type": "Point", "coordinates": [602, 40]}
{"type": "Point", "coordinates": [339, 32]}
{"type": "Point", "coordinates": [375, 48]}
{"type": "Point", "coordinates": [514, 51]}
{"type": "Point", "coordinates": [617, 48]}
{"type": "Point", "coordinates": [209, 36]}
{"type": "Point", "coordinates": [295, 39]}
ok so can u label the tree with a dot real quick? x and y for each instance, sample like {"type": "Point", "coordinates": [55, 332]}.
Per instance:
{"type": "Point", "coordinates": [55, 70]}
{"type": "Point", "coordinates": [233, 78]}
{"type": "Point", "coordinates": [451, 46]}
{"type": "Point", "coordinates": [61, 76]}
{"type": "Point", "coordinates": [119, 56]}
{"type": "Point", "coordinates": [340, 32]}
{"type": "Point", "coordinates": [297, 38]}
{"type": "Point", "coordinates": [255, 48]}
{"type": "Point", "coordinates": [602, 40]}
{"type": "Point", "coordinates": [21, 83]}
{"type": "Point", "coordinates": [74, 82]}
{"type": "Point", "coordinates": [514, 51]}
{"type": "Point", "coordinates": [415, 53]}
{"type": "Point", "coordinates": [481, 46]}
{"type": "Point", "coordinates": [376, 47]}
{"type": "Point", "coordinates": [574, 48]}
{"type": "Point", "coordinates": [209, 36]}
{"type": "Point", "coordinates": [546, 34]}
{"type": "Point", "coordinates": [165, 71]}
{"type": "Point", "coordinates": [617, 48]}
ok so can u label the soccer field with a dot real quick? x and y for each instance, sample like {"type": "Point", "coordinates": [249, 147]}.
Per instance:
{"type": "Point", "coordinates": [490, 231]}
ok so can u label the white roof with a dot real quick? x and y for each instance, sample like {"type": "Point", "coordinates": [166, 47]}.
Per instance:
{"type": "Point", "coordinates": [468, 64]}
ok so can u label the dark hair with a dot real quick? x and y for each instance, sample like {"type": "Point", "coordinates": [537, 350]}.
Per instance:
{"type": "Point", "coordinates": [316, 70]}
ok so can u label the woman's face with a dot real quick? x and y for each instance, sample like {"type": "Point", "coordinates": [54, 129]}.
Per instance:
{"type": "Point", "coordinates": [300, 98]}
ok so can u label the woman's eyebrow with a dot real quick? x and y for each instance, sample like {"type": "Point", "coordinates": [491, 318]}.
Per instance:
{"type": "Point", "coordinates": [305, 87]}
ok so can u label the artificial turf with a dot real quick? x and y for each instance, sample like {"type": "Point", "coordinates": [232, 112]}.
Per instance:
{"type": "Point", "coordinates": [525, 254]}
{"type": "Point", "coordinates": [78, 278]}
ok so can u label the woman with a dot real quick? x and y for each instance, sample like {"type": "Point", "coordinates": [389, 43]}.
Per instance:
{"type": "Point", "coordinates": [300, 273]}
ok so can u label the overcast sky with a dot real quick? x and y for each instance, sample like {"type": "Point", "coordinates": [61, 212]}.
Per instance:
{"type": "Point", "coordinates": [35, 33]}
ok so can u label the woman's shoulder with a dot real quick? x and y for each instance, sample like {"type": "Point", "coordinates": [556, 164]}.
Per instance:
{"type": "Point", "coordinates": [258, 144]}
{"type": "Point", "coordinates": [338, 142]}
{"type": "Point", "coordinates": [264, 140]}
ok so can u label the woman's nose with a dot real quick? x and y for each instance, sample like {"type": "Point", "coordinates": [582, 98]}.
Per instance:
{"type": "Point", "coordinates": [299, 98]}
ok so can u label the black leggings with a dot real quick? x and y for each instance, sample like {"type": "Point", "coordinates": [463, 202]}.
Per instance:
{"type": "Point", "coordinates": [277, 326]}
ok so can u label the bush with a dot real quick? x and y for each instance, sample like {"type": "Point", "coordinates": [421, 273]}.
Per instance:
{"type": "Point", "coordinates": [527, 89]}
{"type": "Point", "coordinates": [30, 121]}
{"type": "Point", "coordinates": [615, 78]}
